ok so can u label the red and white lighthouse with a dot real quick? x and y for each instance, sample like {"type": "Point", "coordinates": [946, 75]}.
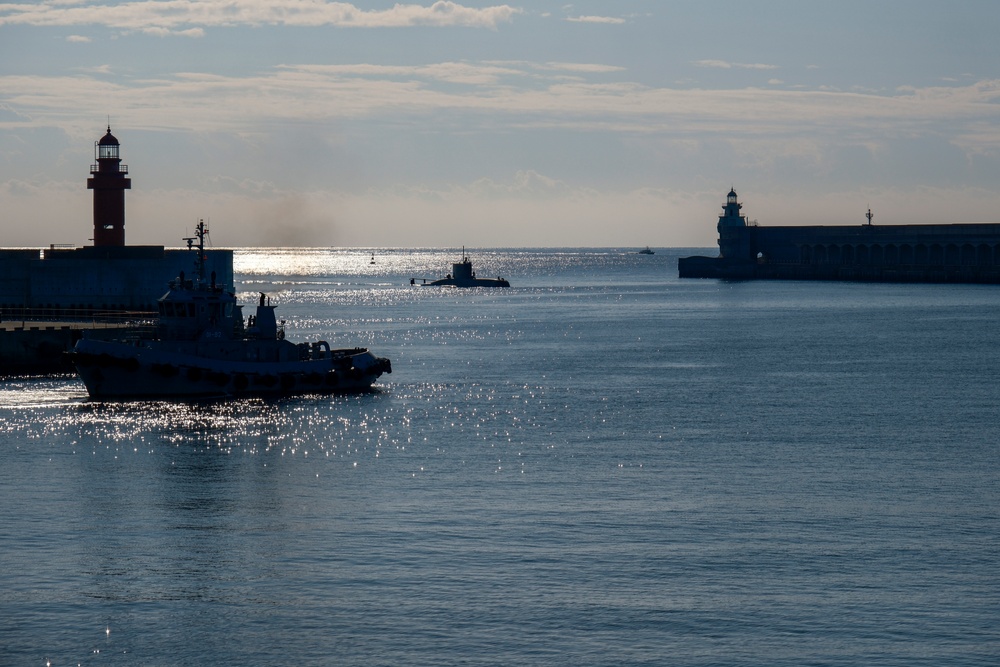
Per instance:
{"type": "Point", "coordinates": [109, 182]}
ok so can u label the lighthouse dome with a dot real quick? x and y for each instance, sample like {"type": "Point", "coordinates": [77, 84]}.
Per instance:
{"type": "Point", "coordinates": [108, 139]}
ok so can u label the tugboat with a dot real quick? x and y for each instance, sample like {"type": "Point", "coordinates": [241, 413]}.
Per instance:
{"type": "Point", "coordinates": [201, 348]}
{"type": "Point", "coordinates": [462, 275]}
{"type": "Point", "coordinates": [647, 251]}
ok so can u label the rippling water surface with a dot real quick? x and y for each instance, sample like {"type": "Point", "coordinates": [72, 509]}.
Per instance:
{"type": "Point", "coordinates": [601, 465]}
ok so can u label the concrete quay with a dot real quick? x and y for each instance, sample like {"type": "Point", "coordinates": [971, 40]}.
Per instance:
{"type": "Point", "coordinates": [36, 347]}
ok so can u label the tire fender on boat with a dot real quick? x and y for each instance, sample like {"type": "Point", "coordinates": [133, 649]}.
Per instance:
{"type": "Point", "coordinates": [166, 370]}
{"type": "Point", "coordinates": [221, 379]}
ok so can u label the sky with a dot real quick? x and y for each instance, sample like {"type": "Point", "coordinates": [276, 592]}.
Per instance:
{"type": "Point", "coordinates": [484, 124]}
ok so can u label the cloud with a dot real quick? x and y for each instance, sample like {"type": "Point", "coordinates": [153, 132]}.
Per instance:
{"type": "Point", "coordinates": [479, 74]}
{"type": "Point", "coordinates": [590, 68]}
{"type": "Point", "coordinates": [474, 74]}
{"type": "Point", "coordinates": [526, 183]}
{"type": "Point", "coordinates": [97, 69]}
{"type": "Point", "coordinates": [12, 117]}
{"type": "Point", "coordinates": [595, 19]}
{"type": "Point", "coordinates": [156, 31]}
{"type": "Point", "coordinates": [78, 39]}
{"type": "Point", "coordinates": [724, 64]}
{"type": "Point", "coordinates": [181, 16]}
{"type": "Point", "coordinates": [478, 95]}
{"type": "Point", "coordinates": [452, 115]}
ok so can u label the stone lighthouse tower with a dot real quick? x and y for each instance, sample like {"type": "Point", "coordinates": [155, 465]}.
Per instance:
{"type": "Point", "coordinates": [735, 239]}
{"type": "Point", "coordinates": [109, 182]}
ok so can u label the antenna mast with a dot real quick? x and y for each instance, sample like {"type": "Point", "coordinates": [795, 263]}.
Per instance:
{"type": "Point", "coordinates": [200, 230]}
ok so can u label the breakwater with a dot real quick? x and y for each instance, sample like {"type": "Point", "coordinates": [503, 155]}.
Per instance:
{"type": "Point", "coordinates": [960, 253]}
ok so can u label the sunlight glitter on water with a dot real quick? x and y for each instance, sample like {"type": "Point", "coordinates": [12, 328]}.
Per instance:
{"type": "Point", "coordinates": [352, 264]}
{"type": "Point", "coordinates": [368, 426]}
{"type": "Point", "coordinates": [37, 392]}
{"type": "Point", "coordinates": [353, 267]}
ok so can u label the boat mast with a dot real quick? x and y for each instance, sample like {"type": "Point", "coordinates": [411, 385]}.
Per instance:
{"type": "Point", "coordinates": [199, 262]}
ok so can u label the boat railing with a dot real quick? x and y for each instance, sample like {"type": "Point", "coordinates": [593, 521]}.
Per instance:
{"type": "Point", "coordinates": [136, 332]}
{"type": "Point", "coordinates": [314, 351]}
{"type": "Point", "coordinates": [121, 169]}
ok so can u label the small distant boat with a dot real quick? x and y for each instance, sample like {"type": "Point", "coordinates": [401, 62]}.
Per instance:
{"type": "Point", "coordinates": [202, 347]}
{"type": "Point", "coordinates": [646, 251]}
{"type": "Point", "coordinates": [462, 275]}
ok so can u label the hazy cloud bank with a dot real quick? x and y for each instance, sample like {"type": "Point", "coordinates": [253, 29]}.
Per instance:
{"type": "Point", "coordinates": [191, 16]}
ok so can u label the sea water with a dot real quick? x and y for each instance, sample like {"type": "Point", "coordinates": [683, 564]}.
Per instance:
{"type": "Point", "coordinates": [602, 465]}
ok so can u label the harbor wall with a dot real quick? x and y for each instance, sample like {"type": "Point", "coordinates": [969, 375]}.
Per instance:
{"type": "Point", "coordinates": [961, 253]}
{"type": "Point", "coordinates": [69, 283]}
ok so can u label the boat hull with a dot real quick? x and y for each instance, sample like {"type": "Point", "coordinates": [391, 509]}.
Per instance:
{"type": "Point", "coordinates": [115, 370]}
{"type": "Point", "coordinates": [471, 282]}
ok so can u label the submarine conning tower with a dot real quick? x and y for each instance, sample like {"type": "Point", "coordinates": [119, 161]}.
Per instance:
{"type": "Point", "coordinates": [462, 270]}
{"type": "Point", "coordinates": [109, 182]}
